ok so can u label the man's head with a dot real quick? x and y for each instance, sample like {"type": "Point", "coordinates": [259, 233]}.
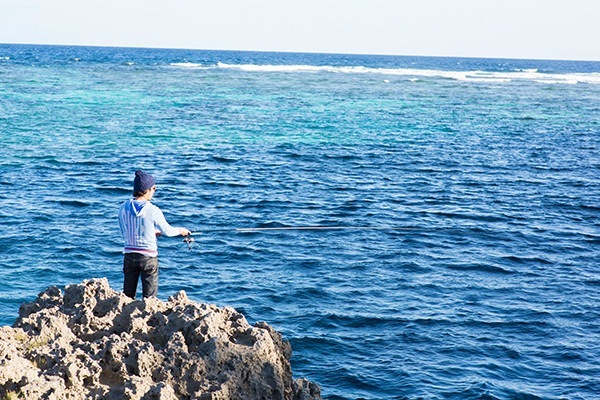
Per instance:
{"type": "Point", "coordinates": [142, 183]}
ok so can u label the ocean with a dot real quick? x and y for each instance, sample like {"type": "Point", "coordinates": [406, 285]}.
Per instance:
{"type": "Point", "coordinates": [467, 265]}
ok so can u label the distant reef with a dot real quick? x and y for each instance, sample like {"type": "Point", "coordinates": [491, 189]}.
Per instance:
{"type": "Point", "coordinates": [95, 343]}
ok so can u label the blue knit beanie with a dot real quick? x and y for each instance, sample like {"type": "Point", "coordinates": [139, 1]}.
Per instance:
{"type": "Point", "coordinates": [142, 182]}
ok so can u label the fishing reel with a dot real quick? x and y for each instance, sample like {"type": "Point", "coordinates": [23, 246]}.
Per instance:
{"type": "Point", "coordinates": [189, 240]}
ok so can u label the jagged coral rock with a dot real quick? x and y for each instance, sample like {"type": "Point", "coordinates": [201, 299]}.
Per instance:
{"type": "Point", "coordinates": [95, 343]}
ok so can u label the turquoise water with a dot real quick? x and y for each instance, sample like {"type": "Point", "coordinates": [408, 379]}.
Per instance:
{"type": "Point", "coordinates": [490, 289]}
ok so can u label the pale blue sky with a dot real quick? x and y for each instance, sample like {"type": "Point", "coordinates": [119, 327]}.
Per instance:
{"type": "Point", "coordinates": [549, 29]}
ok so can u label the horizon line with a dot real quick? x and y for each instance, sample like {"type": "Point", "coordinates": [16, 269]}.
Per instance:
{"type": "Point", "coordinates": [300, 52]}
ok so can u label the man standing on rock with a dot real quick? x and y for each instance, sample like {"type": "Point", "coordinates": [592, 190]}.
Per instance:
{"type": "Point", "coordinates": [141, 222]}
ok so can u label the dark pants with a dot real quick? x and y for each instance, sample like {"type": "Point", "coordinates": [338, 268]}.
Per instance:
{"type": "Point", "coordinates": [134, 265]}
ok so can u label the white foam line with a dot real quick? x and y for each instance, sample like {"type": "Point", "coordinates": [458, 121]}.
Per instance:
{"type": "Point", "coordinates": [414, 74]}
{"type": "Point", "coordinates": [186, 65]}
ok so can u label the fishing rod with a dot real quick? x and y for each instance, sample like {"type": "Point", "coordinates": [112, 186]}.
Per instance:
{"type": "Point", "coordinates": [300, 228]}
{"type": "Point", "coordinates": [189, 239]}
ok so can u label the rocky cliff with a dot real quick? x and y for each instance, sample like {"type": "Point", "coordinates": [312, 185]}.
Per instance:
{"type": "Point", "coordinates": [95, 343]}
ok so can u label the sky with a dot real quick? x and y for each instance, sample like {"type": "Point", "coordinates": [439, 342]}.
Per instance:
{"type": "Point", "coordinates": [533, 29]}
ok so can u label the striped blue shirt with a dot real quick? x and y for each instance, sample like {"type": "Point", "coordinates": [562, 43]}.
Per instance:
{"type": "Point", "coordinates": [140, 221]}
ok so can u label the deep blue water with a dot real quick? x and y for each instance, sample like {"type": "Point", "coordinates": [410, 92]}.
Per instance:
{"type": "Point", "coordinates": [490, 289]}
